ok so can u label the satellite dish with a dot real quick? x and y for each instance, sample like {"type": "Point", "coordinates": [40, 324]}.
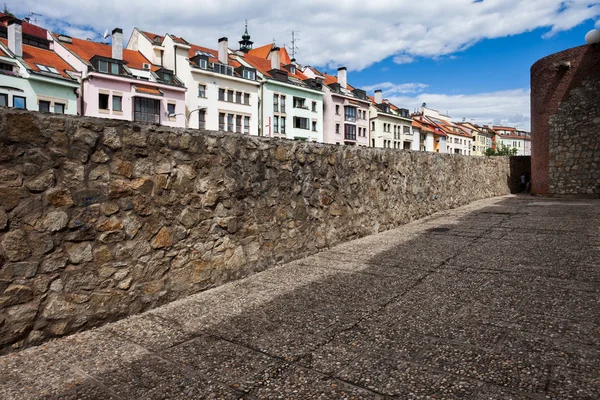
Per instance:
{"type": "Point", "coordinates": [106, 34]}
{"type": "Point", "coordinates": [593, 36]}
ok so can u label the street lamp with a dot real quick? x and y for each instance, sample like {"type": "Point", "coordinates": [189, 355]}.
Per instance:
{"type": "Point", "coordinates": [187, 116]}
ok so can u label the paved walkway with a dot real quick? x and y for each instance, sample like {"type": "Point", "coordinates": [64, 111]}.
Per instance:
{"type": "Point", "coordinates": [496, 300]}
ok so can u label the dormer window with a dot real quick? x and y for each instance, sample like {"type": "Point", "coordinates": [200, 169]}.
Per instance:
{"type": "Point", "coordinates": [203, 63]}
{"type": "Point", "coordinates": [108, 67]}
{"type": "Point", "coordinates": [6, 67]}
{"type": "Point", "coordinates": [249, 74]}
{"type": "Point", "coordinates": [223, 69]}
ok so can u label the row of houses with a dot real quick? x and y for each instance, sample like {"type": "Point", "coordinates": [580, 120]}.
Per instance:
{"type": "Point", "coordinates": [167, 80]}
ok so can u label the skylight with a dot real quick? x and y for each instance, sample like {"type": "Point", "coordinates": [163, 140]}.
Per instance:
{"type": "Point", "coordinates": [45, 68]}
{"type": "Point", "coordinates": [204, 53]}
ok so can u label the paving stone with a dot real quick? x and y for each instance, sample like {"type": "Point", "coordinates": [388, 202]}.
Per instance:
{"type": "Point", "coordinates": [299, 383]}
{"type": "Point", "coordinates": [220, 360]}
{"type": "Point", "coordinates": [503, 305]}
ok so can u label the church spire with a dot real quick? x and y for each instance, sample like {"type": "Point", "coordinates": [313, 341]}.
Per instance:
{"type": "Point", "coordinates": [246, 43]}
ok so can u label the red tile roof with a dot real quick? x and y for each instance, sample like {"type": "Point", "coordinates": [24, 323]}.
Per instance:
{"type": "Point", "coordinates": [263, 66]}
{"type": "Point", "coordinates": [34, 55]}
{"type": "Point", "coordinates": [147, 90]}
{"type": "Point", "coordinates": [28, 28]}
{"type": "Point", "coordinates": [86, 50]}
{"type": "Point", "coordinates": [264, 51]}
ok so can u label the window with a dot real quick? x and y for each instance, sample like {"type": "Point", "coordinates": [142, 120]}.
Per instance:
{"type": "Point", "coordinates": [276, 103]}
{"type": "Point", "coordinates": [300, 123]}
{"type": "Point", "coordinates": [59, 108]}
{"type": "Point", "coordinates": [203, 63]}
{"type": "Point", "coordinates": [283, 104]}
{"type": "Point", "coordinates": [350, 114]}
{"type": "Point", "coordinates": [230, 122]}
{"type": "Point", "coordinates": [3, 100]}
{"type": "Point", "coordinates": [114, 69]}
{"type": "Point", "coordinates": [117, 104]}
{"type": "Point", "coordinates": [221, 121]}
{"type": "Point", "coordinates": [230, 96]}
{"type": "Point", "coordinates": [337, 128]}
{"type": "Point", "coordinates": [44, 106]}
{"type": "Point", "coordinates": [202, 91]}
{"type": "Point", "coordinates": [146, 110]}
{"type": "Point", "coordinates": [249, 74]}
{"type": "Point", "coordinates": [202, 119]}
{"type": "Point", "coordinates": [238, 97]}
{"type": "Point", "coordinates": [45, 68]}
{"type": "Point", "coordinates": [247, 125]}
{"type": "Point", "coordinates": [314, 106]}
{"type": "Point", "coordinates": [299, 102]}
{"type": "Point", "coordinates": [275, 124]}
{"type": "Point", "coordinates": [103, 101]}
{"type": "Point", "coordinates": [349, 132]}
{"type": "Point", "coordinates": [337, 109]}
{"type": "Point", "coordinates": [314, 126]}
{"type": "Point", "coordinates": [19, 102]}
{"type": "Point", "coordinates": [407, 130]}
{"type": "Point", "coordinates": [170, 109]}
{"type": "Point", "coordinates": [222, 94]}
{"type": "Point", "coordinates": [373, 125]}
{"type": "Point", "coordinates": [247, 98]}
{"type": "Point", "coordinates": [364, 115]}
{"type": "Point", "coordinates": [102, 66]}
{"type": "Point", "coordinates": [6, 67]}
{"type": "Point", "coordinates": [282, 125]}
{"type": "Point", "coordinates": [238, 124]}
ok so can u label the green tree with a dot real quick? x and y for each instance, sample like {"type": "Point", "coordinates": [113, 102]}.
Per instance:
{"type": "Point", "coordinates": [502, 150]}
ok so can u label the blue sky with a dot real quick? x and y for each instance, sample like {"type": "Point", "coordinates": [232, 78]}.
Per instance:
{"type": "Point", "coordinates": [468, 57]}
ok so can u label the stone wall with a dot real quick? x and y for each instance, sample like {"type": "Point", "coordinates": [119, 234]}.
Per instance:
{"type": "Point", "coordinates": [100, 219]}
{"type": "Point", "coordinates": [565, 114]}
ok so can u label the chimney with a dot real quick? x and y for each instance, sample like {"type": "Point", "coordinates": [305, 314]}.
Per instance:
{"type": "Point", "coordinates": [275, 58]}
{"type": "Point", "coordinates": [223, 51]}
{"type": "Point", "coordinates": [15, 37]}
{"type": "Point", "coordinates": [342, 77]}
{"type": "Point", "coordinates": [117, 44]}
{"type": "Point", "coordinates": [378, 97]}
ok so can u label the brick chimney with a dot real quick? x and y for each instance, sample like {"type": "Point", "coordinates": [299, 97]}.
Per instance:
{"type": "Point", "coordinates": [275, 58]}
{"type": "Point", "coordinates": [378, 96]}
{"type": "Point", "coordinates": [223, 51]}
{"type": "Point", "coordinates": [342, 77]}
{"type": "Point", "coordinates": [117, 44]}
{"type": "Point", "coordinates": [15, 37]}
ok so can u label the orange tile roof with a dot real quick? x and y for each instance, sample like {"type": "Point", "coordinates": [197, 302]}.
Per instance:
{"type": "Point", "coordinates": [147, 90]}
{"type": "Point", "coordinates": [153, 37]}
{"type": "Point", "coordinates": [28, 28]}
{"type": "Point", "coordinates": [263, 66]}
{"type": "Point", "coordinates": [3, 54]}
{"type": "Point", "coordinates": [34, 55]}
{"type": "Point", "coordinates": [264, 51]}
{"type": "Point", "coordinates": [86, 50]}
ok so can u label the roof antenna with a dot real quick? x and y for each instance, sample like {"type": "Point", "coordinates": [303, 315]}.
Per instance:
{"type": "Point", "coordinates": [293, 48]}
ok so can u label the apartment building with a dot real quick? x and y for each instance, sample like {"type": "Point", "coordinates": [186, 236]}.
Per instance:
{"type": "Point", "coordinates": [391, 127]}
{"type": "Point", "coordinates": [345, 109]}
{"type": "Point", "coordinates": [121, 83]}
{"type": "Point", "coordinates": [32, 75]}
{"type": "Point", "coordinates": [514, 139]}
{"type": "Point", "coordinates": [291, 103]}
{"type": "Point", "coordinates": [222, 93]}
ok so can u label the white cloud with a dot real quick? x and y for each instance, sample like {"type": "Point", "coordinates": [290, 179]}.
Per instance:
{"type": "Point", "coordinates": [389, 88]}
{"type": "Point", "coordinates": [354, 33]}
{"type": "Point", "coordinates": [597, 25]}
{"type": "Point", "coordinates": [403, 59]}
{"type": "Point", "coordinates": [507, 107]}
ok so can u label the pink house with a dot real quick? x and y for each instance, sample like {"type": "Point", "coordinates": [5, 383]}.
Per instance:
{"type": "Point", "coordinates": [345, 109]}
{"type": "Point", "coordinates": [122, 84]}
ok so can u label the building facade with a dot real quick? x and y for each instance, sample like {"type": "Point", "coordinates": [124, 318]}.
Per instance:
{"type": "Point", "coordinates": [122, 84]}
{"type": "Point", "coordinates": [291, 104]}
{"type": "Point", "coordinates": [32, 75]}
{"type": "Point", "coordinates": [391, 127]}
{"type": "Point", "coordinates": [345, 109]}
{"type": "Point", "coordinates": [222, 93]}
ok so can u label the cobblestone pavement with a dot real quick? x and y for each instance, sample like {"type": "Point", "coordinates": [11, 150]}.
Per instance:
{"type": "Point", "coordinates": [496, 300]}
